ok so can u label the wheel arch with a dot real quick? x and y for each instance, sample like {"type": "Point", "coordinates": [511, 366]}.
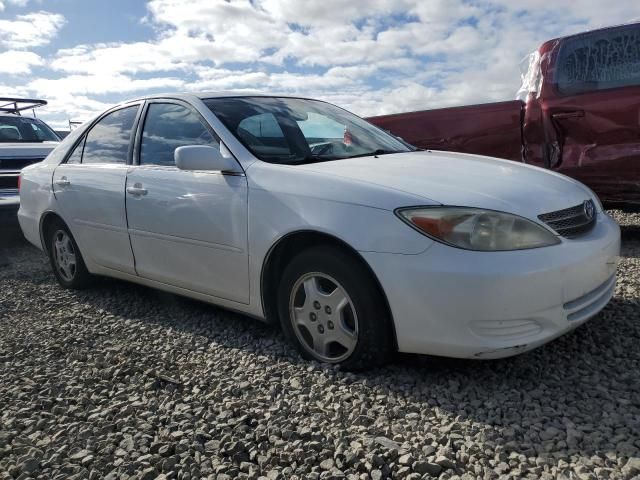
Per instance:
{"type": "Point", "coordinates": [46, 219]}
{"type": "Point", "coordinates": [285, 249]}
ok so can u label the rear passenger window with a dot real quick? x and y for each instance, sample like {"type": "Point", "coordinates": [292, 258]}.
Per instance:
{"type": "Point", "coordinates": [108, 141]}
{"type": "Point", "coordinates": [599, 60]}
{"type": "Point", "coordinates": [167, 127]}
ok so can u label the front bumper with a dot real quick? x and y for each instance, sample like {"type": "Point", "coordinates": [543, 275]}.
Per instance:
{"type": "Point", "coordinates": [465, 304]}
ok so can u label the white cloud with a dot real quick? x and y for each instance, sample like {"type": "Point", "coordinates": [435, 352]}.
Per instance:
{"type": "Point", "coordinates": [64, 106]}
{"type": "Point", "coordinates": [18, 3]}
{"type": "Point", "coordinates": [12, 91]}
{"type": "Point", "coordinates": [30, 30]}
{"type": "Point", "coordinates": [16, 62]}
{"type": "Point", "coordinates": [74, 97]}
{"type": "Point", "coordinates": [101, 84]}
{"type": "Point", "coordinates": [103, 59]}
{"type": "Point", "coordinates": [375, 56]}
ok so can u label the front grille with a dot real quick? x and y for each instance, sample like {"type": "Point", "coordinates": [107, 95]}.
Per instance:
{"type": "Point", "coordinates": [571, 222]}
{"type": "Point", "coordinates": [10, 170]}
{"type": "Point", "coordinates": [8, 182]}
{"type": "Point", "coordinates": [18, 163]}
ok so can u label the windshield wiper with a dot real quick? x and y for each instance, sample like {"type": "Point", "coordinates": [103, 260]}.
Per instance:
{"type": "Point", "coordinates": [375, 153]}
{"type": "Point", "coordinates": [310, 159]}
{"type": "Point", "coordinates": [317, 159]}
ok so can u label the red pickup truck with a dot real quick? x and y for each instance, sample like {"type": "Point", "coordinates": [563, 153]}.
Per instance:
{"type": "Point", "coordinates": [580, 115]}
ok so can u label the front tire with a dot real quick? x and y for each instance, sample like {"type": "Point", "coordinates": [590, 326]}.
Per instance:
{"type": "Point", "coordinates": [331, 308]}
{"type": "Point", "coordinates": [65, 257]}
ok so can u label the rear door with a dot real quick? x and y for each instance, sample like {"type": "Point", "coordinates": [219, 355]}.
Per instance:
{"type": "Point", "coordinates": [188, 228]}
{"type": "Point", "coordinates": [593, 112]}
{"type": "Point", "coordinates": [89, 187]}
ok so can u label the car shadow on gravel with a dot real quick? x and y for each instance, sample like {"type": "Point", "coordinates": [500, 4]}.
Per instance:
{"type": "Point", "coordinates": [630, 232]}
{"type": "Point", "coordinates": [11, 239]}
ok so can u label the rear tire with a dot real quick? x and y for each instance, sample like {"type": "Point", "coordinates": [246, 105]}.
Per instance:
{"type": "Point", "coordinates": [65, 257]}
{"type": "Point", "coordinates": [333, 311]}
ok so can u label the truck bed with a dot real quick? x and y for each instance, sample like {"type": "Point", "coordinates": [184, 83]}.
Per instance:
{"type": "Point", "coordinates": [493, 129]}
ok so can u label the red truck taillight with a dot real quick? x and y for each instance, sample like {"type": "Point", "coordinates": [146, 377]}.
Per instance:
{"type": "Point", "coordinates": [19, 181]}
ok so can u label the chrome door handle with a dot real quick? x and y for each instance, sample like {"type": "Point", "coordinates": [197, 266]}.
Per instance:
{"type": "Point", "coordinates": [136, 190]}
{"type": "Point", "coordinates": [62, 182]}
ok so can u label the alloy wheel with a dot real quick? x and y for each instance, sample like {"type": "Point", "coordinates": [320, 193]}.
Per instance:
{"type": "Point", "coordinates": [64, 255]}
{"type": "Point", "coordinates": [323, 317]}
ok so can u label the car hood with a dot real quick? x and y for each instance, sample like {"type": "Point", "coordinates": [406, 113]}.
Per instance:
{"type": "Point", "coordinates": [463, 180]}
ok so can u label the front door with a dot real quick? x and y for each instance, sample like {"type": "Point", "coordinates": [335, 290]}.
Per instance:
{"type": "Point", "coordinates": [595, 113]}
{"type": "Point", "coordinates": [89, 188]}
{"type": "Point", "coordinates": [187, 228]}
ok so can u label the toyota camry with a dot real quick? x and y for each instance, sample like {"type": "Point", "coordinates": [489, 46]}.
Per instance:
{"type": "Point", "coordinates": [299, 213]}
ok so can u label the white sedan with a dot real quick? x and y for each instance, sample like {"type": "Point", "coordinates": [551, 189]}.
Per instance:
{"type": "Point", "coordinates": [298, 212]}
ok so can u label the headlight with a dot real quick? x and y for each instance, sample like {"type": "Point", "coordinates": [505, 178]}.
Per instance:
{"type": "Point", "coordinates": [477, 229]}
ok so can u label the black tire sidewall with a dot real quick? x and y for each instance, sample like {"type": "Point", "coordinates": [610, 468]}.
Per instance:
{"type": "Point", "coordinates": [375, 338]}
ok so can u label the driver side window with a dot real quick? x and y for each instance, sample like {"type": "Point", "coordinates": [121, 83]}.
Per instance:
{"type": "Point", "coordinates": [168, 126]}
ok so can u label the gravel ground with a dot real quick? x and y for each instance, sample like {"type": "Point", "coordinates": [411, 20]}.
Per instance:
{"type": "Point", "coordinates": [122, 381]}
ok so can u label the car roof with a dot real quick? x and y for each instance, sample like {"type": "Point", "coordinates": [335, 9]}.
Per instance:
{"type": "Point", "coordinates": [633, 23]}
{"type": "Point", "coordinates": [208, 94]}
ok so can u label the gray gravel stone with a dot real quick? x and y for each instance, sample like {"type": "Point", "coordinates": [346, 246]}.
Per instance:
{"type": "Point", "coordinates": [632, 466]}
{"type": "Point", "coordinates": [432, 469]}
{"type": "Point", "coordinates": [444, 462]}
{"type": "Point", "coordinates": [29, 465]}
{"type": "Point", "coordinates": [326, 464]}
{"type": "Point", "coordinates": [120, 381]}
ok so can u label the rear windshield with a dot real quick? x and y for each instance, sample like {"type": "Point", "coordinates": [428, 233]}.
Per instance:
{"type": "Point", "coordinates": [295, 130]}
{"type": "Point", "coordinates": [599, 60]}
{"type": "Point", "coordinates": [24, 129]}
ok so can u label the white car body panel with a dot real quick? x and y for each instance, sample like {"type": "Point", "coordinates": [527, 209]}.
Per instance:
{"type": "Point", "coordinates": [93, 204]}
{"type": "Point", "coordinates": [201, 218]}
{"type": "Point", "coordinates": [208, 236]}
{"type": "Point", "coordinates": [36, 186]}
{"type": "Point", "coordinates": [463, 179]}
{"type": "Point", "coordinates": [486, 306]}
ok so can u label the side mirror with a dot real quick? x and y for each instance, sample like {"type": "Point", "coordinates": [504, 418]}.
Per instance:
{"type": "Point", "coordinates": [202, 157]}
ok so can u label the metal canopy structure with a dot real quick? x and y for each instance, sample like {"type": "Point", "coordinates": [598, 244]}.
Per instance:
{"type": "Point", "coordinates": [17, 105]}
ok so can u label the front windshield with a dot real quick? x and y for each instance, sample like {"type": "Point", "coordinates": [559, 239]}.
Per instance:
{"type": "Point", "coordinates": [295, 131]}
{"type": "Point", "coordinates": [25, 129]}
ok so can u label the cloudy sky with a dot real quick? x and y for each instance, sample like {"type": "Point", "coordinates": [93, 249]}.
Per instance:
{"type": "Point", "coordinates": [370, 56]}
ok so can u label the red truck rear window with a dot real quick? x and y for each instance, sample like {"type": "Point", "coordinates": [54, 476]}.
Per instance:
{"type": "Point", "coordinates": [599, 60]}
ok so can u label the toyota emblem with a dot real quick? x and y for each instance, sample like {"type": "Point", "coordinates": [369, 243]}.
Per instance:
{"type": "Point", "coordinates": [589, 209]}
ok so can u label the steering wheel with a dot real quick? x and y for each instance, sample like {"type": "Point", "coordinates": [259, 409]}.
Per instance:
{"type": "Point", "coordinates": [324, 147]}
